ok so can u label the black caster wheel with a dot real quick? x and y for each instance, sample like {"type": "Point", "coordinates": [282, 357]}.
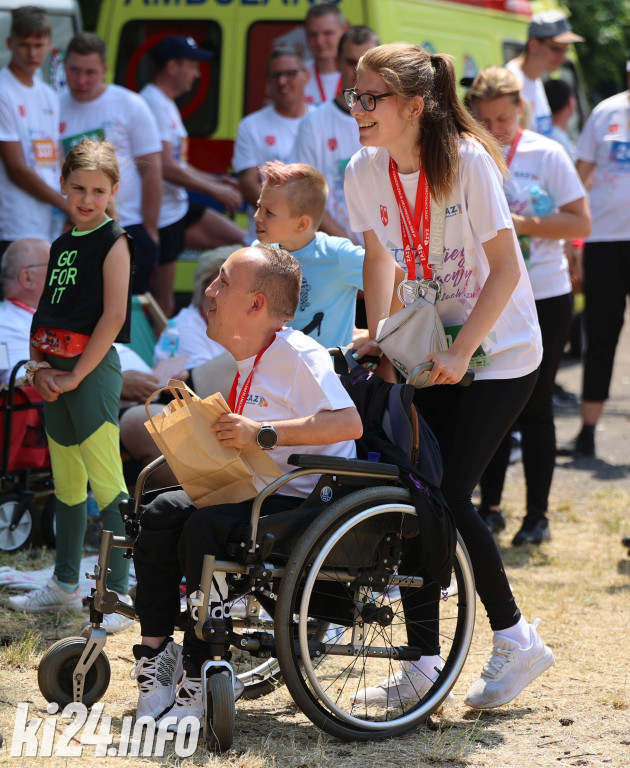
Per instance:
{"type": "Point", "coordinates": [57, 666]}
{"type": "Point", "coordinates": [219, 716]}
{"type": "Point", "coordinates": [13, 539]}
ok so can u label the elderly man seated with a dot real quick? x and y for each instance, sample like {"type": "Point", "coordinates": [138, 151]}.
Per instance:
{"type": "Point", "coordinates": [286, 398]}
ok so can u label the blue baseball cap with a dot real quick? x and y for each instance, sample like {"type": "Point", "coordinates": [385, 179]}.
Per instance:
{"type": "Point", "coordinates": [179, 47]}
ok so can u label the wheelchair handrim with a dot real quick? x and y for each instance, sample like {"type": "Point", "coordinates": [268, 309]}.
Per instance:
{"type": "Point", "coordinates": [452, 674]}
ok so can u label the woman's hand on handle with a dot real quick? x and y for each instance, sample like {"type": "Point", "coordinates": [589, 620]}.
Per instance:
{"type": "Point", "coordinates": [449, 367]}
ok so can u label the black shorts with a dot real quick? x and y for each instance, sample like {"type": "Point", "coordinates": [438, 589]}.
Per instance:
{"type": "Point", "coordinates": [172, 237]}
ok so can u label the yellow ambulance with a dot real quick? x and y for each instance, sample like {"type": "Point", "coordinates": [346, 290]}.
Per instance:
{"type": "Point", "coordinates": [242, 33]}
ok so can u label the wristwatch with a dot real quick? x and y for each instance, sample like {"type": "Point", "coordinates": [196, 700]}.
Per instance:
{"type": "Point", "coordinates": [267, 437]}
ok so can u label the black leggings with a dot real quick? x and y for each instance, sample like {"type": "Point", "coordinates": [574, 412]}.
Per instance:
{"type": "Point", "coordinates": [469, 424]}
{"type": "Point", "coordinates": [606, 288]}
{"type": "Point", "coordinates": [536, 422]}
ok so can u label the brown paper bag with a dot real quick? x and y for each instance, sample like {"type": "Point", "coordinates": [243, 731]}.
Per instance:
{"type": "Point", "coordinates": [209, 472]}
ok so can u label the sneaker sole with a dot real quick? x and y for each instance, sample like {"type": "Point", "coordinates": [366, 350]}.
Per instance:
{"type": "Point", "coordinates": [49, 609]}
{"type": "Point", "coordinates": [545, 661]}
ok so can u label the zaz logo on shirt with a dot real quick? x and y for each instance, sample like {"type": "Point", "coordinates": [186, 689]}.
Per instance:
{"type": "Point", "coordinates": [270, 140]}
{"type": "Point", "coordinates": [384, 216]}
{"type": "Point", "coordinates": [332, 144]}
{"type": "Point", "coordinates": [258, 400]}
{"type": "Point", "coordinates": [453, 210]}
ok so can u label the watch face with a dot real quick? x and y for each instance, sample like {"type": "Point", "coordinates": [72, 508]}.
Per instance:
{"type": "Point", "coordinates": [267, 437]}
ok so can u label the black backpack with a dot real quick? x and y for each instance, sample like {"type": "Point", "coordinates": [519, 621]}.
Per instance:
{"type": "Point", "coordinates": [394, 428]}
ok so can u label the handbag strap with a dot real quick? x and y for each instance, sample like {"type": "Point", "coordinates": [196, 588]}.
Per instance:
{"type": "Point", "coordinates": [436, 238]}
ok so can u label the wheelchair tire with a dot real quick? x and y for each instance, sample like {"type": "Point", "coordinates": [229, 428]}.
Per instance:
{"type": "Point", "coordinates": [219, 715]}
{"type": "Point", "coordinates": [355, 554]}
{"type": "Point", "coordinates": [57, 666]}
{"type": "Point", "coordinates": [19, 537]}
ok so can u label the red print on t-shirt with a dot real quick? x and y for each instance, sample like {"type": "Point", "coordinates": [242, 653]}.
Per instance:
{"type": "Point", "coordinates": [614, 128]}
{"type": "Point", "coordinates": [270, 140]}
{"type": "Point", "coordinates": [332, 144]}
{"type": "Point", "coordinates": [22, 110]}
{"type": "Point", "coordinates": [384, 216]}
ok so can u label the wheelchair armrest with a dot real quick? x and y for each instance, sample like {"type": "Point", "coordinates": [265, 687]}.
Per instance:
{"type": "Point", "coordinates": [339, 465]}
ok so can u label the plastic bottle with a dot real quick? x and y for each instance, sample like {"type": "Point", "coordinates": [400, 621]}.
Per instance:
{"type": "Point", "coordinates": [170, 339]}
{"type": "Point", "coordinates": [542, 204]}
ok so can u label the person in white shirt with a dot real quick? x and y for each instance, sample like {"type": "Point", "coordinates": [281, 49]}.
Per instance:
{"type": "Point", "coordinates": [549, 37]}
{"type": "Point", "coordinates": [306, 410]}
{"type": "Point", "coordinates": [29, 134]}
{"type": "Point", "coordinates": [93, 109]}
{"type": "Point", "coordinates": [23, 275]}
{"type": "Point", "coordinates": [324, 26]}
{"type": "Point", "coordinates": [269, 133]}
{"type": "Point", "coordinates": [328, 136]}
{"type": "Point", "coordinates": [548, 204]}
{"type": "Point", "coordinates": [184, 224]}
{"type": "Point", "coordinates": [602, 154]}
{"type": "Point", "coordinates": [421, 145]}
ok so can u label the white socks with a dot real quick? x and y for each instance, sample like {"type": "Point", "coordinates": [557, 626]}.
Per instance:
{"type": "Point", "coordinates": [519, 632]}
{"type": "Point", "coordinates": [425, 665]}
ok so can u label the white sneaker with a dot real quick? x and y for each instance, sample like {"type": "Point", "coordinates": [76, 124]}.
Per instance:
{"type": "Point", "coordinates": [50, 597]}
{"type": "Point", "coordinates": [115, 622]}
{"type": "Point", "coordinates": [188, 701]}
{"type": "Point", "coordinates": [157, 678]}
{"type": "Point", "coordinates": [508, 670]}
{"type": "Point", "coordinates": [407, 686]}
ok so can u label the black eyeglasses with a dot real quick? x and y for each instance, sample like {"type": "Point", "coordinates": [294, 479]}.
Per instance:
{"type": "Point", "coordinates": [368, 100]}
{"type": "Point", "coordinates": [290, 74]}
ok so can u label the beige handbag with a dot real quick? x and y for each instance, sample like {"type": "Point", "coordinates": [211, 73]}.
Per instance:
{"type": "Point", "coordinates": [208, 471]}
{"type": "Point", "coordinates": [416, 330]}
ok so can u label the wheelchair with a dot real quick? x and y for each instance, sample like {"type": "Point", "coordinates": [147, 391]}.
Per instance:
{"type": "Point", "coordinates": [345, 598]}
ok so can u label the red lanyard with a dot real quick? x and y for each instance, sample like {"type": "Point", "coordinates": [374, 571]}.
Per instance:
{"type": "Point", "coordinates": [513, 146]}
{"type": "Point", "coordinates": [22, 305]}
{"type": "Point", "coordinates": [236, 406]}
{"type": "Point", "coordinates": [411, 226]}
{"type": "Point", "coordinates": [320, 85]}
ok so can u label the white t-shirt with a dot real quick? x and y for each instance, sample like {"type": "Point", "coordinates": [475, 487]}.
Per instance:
{"type": "Point", "coordinates": [329, 84]}
{"type": "Point", "coordinates": [534, 92]}
{"type": "Point", "coordinates": [264, 135]}
{"type": "Point", "coordinates": [192, 339]}
{"type": "Point", "coordinates": [15, 336]}
{"type": "Point", "coordinates": [476, 210]}
{"type": "Point", "coordinates": [605, 141]}
{"type": "Point", "coordinates": [130, 360]}
{"type": "Point", "coordinates": [171, 129]}
{"type": "Point", "coordinates": [327, 138]}
{"type": "Point", "coordinates": [541, 161]}
{"type": "Point", "coordinates": [294, 379]}
{"type": "Point", "coordinates": [29, 115]}
{"type": "Point", "coordinates": [122, 117]}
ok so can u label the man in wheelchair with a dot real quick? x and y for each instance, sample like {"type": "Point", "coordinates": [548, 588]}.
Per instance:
{"type": "Point", "coordinates": [287, 399]}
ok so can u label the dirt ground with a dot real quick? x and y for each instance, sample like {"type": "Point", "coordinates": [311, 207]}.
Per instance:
{"type": "Point", "coordinates": [578, 584]}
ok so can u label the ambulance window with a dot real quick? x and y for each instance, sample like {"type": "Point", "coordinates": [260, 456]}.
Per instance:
{"type": "Point", "coordinates": [511, 49]}
{"type": "Point", "coordinates": [134, 68]}
{"type": "Point", "coordinates": [262, 38]}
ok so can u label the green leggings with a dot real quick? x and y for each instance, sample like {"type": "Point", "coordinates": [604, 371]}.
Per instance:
{"type": "Point", "coordinates": [83, 436]}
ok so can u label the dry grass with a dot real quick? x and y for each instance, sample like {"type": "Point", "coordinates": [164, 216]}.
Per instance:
{"type": "Point", "coordinates": [578, 714]}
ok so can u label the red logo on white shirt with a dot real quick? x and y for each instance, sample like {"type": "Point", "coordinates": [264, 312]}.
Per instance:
{"type": "Point", "coordinates": [62, 127]}
{"type": "Point", "coordinates": [614, 128]}
{"type": "Point", "coordinates": [309, 100]}
{"type": "Point", "coordinates": [384, 216]}
{"type": "Point", "coordinates": [270, 140]}
{"type": "Point", "coordinates": [332, 144]}
{"type": "Point", "coordinates": [22, 110]}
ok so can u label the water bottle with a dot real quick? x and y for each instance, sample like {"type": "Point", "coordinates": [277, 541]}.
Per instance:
{"type": "Point", "coordinates": [542, 204]}
{"type": "Point", "coordinates": [170, 339]}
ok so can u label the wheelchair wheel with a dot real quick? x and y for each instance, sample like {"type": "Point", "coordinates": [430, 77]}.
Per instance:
{"type": "Point", "coordinates": [219, 716]}
{"type": "Point", "coordinates": [357, 567]}
{"type": "Point", "coordinates": [57, 666]}
{"type": "Point", "coordinates": [19, 537]}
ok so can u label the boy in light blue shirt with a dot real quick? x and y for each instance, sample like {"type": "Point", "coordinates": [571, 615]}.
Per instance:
{"type": "Point", "coordinates": [291, 203]}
